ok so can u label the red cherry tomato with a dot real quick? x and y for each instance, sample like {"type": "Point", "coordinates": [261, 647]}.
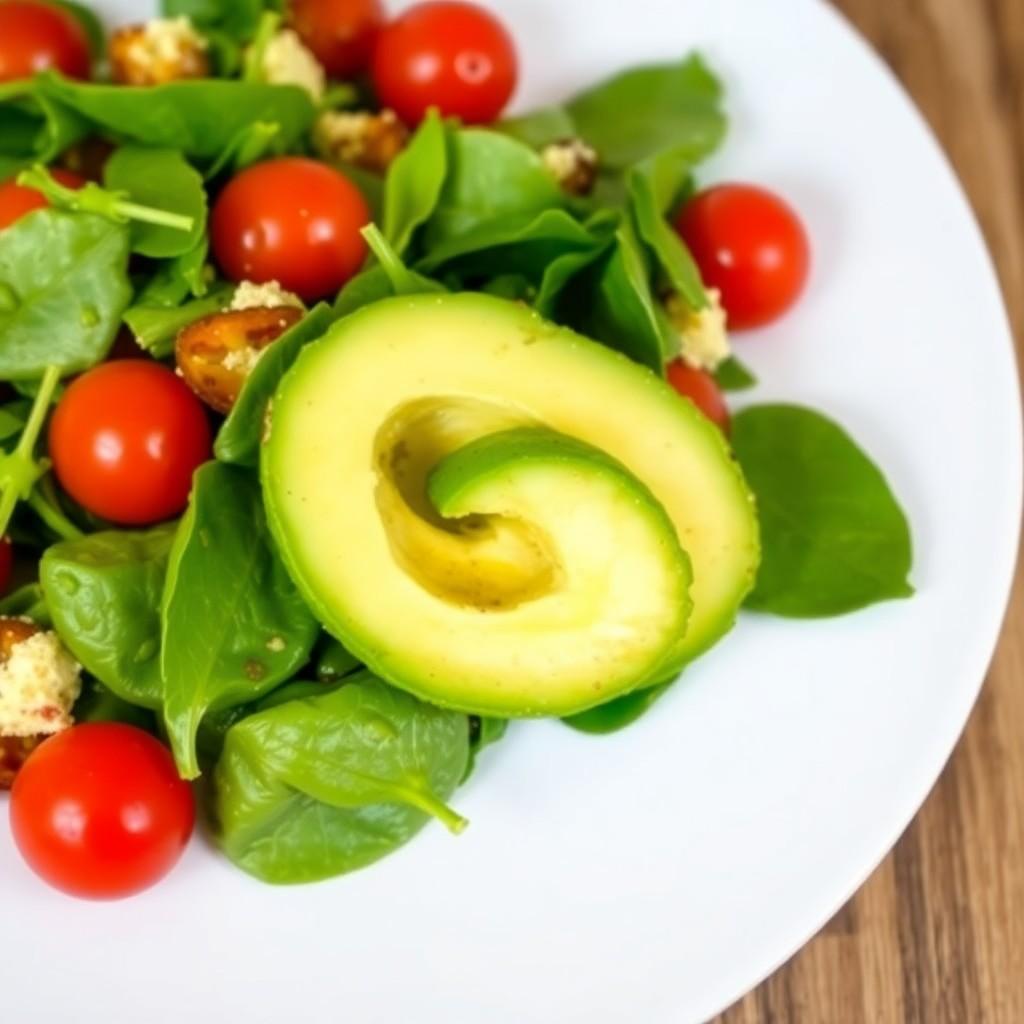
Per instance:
{"type": "Point", "coordinates": [701, 389]}
{"type": "Point", "coordinates": [446, 54]}
{"type": "Point", "coordinates": [98, 811]}
{"type": "Point", "coordinates": [290, 220]}
{"type": "Point", "coordinates": [341, 33]}
{"type": "Point", "coordinates": [6, 563]}
{"type": "Point", "coordinates": [125, 440]}
{"type": "Point", "coordinates": [16, 200]}
{"type": "Point", "coordinates": [36, 36]}
{"type": "Point", "coordinates": [751, 246]}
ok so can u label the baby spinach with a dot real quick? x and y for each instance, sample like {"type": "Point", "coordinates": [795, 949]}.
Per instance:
{"type": "Point", "coordinates": [238, 19]}
{"type": "Point", "coordinates": [321, 786]}
{"type": "Point", "coordinates": [414, 182]}
{"type": "Point", "coordinates": [198, 117]}
{"type": "Point", "coordinates": [833, 536]}
{"type": "Point", "coordinates": [104, 593]}
{"type": "Point", "coordinates": [91, 25]}
{"type": "Point", "coordinates": [636, 114]}
{"type": "Point", "coordinates": [233, 624]}
{"type": "Point", "coordinates": [98, 704]}
{"type": "Point", "coordinates": [334, 660]}
{"type": "Point", "coordinates": [618, 713]}
{"type": "Point", "coordinates": [63, 288]}
{"type": "Point", "coordinates": [490, 177]}
{"type": "Point", "coordinates": [156, 327]}
{"type": "Point", "coordinates": [164, 179]}
{"type": "Point", "coordinates": [251, 143]}
{"type": "Point", "coordinates": [403, 281]}
{"type": "Point", "coordinates": [483, 733]}
{"type": "Point", "coordinates": [35, 127]}
{"type": "Point", "coordinates": [733, 375]}
{"type": "Point", "coordinates": [238, 440]}
{"type": "Point", "coordinates": [27, 601]}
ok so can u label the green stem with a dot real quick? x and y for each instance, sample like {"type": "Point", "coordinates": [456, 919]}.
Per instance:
{"type": "Point", "coordinates": [252, 70]}
{"type": "Point", "coordinates": [45, 506]}
{"type": "Point", "coordinates": [92, 198]}
{"type": "Point", "coordinates": [386, 256]}
{"type": "Point", "coordinates": [427, 802]}
{"type": "Point", "coordinates": [20, 470]}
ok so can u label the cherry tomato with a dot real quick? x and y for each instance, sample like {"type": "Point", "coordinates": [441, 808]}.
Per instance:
{"type": "Point", "coordinates": [701, 389]}
{"type": "Point", "coordinates": [36, 36]}
{"type": "Point", "coordinates": [446, 54]}
{"type": "Point", "coordinates": [290, 220]}
{"type": "Point", "coordinates": [6, 563]}
{"type": "Point", "coordinates": [341, 33]}
{"type": "Point", "coordinates": [125, 440]}
{"type": "Point", "coordinates": [16, 200]}
{"type": "Point", "coordinates": [98, 811]}
{"type": "Point", "coordinates": [750, 245]}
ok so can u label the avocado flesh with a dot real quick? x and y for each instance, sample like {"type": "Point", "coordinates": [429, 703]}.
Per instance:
{"type": "Point", "coordinates": [541, 570]}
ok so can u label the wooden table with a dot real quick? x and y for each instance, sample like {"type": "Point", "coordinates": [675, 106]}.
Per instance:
{"type": "Point", "coordinates": [937, 935]}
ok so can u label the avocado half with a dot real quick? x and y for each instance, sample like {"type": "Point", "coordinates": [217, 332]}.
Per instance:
{"type": "Point", "coordinates": [499, 515]}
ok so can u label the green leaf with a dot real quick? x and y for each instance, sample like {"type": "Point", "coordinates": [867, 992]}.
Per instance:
{"type": "Point", "coordinates": [250, 144]}
{"type": "Point", "coordinates": [238, 440]}
{"type": "Point", "coordinates": [649, 200]}
{"type": "Point", "coordinates": [199, 117]}
{"type": "Point", "coordinates": [13, 417]}
{"type": "Point", "coordinates": [483, 733]}
{"type": "Point", "coordinates": [732, 375]}
{"type": "Point", "coordinates": [63, 288]}
{"type": "Point", "coordinates": [414, 182]}
{"type": "Point", "coordinates": [490, 177]}
{"type": "Point", "coordinates": [104, 594]}
{"type": "Point", "coordinates": [156, 327]}
{"type": "Point", "coordinates": [321, 786]}
{"type": "Point", "coordinates": [403, 280]}
{"type": "Point", "coordinates": [368, 286]}
{"type": "Point", "coordinates": [90, 23]}
{"type": "Point", "coordinates": [834, 538]}
{"type": "Point", "coordinates": [334, 660]}
{"type": "Point", "coordinates": [233, 624]}
{"type": "Point", "coordinates": [163, 179]}
{"type": "Point", "coordinates": [636, 114]}
{"type": "Point", "coordinates": [35, 127]}
{"type": "Point", "coordinates": [98, 704]}
{"type": "Point", "coordinates": [238, 19]}
{"type": "Point", "coordinates": [28, 602]}
{"type": "Point", "coordinates": [618, 713]}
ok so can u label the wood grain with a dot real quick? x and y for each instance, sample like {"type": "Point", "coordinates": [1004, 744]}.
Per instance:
{"type": "Point", "coordinates": [937, 934]}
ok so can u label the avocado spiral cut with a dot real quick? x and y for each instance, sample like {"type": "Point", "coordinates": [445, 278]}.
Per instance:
{"type": "Point", "coordinates": [499, 515]}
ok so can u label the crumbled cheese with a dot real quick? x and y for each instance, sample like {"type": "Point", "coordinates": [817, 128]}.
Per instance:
{"type": "Point", "coordinates": [166, 40]}
{"type": "Point", "coordinates": [39, 684]}
{"type": "Point", "coordinates": [702, 332]}
{"type": "Point", "coordinates": [572, 163]}
{"type": "Point", "coordinates": [270, 295]}
{"type": "Point", "coordinates": [242, 360]}
{"type": "Point", "coordinates": [287, 61]}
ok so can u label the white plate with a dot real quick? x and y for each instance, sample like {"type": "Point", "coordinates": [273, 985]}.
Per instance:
{"type": "Point", "coordinates": [657, 875]}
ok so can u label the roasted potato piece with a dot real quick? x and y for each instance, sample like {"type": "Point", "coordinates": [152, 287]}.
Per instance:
{"type": "Point", "coordinates": [160, 51]}
{"type": "Point", "coordinates": [12, 632]}
{"type": "Point", "coordinates": [217, 353]}
{"type": "Point", "coordinates": [367, 140]}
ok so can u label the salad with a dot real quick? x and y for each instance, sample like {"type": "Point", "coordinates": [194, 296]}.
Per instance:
{"type": "Point", "coordinates": [346, 418]}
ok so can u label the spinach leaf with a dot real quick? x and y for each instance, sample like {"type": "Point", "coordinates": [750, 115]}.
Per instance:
{"type": "Point", "coordinates": [63, 288]}
{"type": "Point", "coordinates": [490, 177]}
{"type": "Point", "coordinates": [104, 593]}
{"type": "Point", "coordinates": [198, 117]}
{"type": "Point", "coordinates": [238, 440]}
{"type": "Point", "coordinates": [250, 144]}
{"type": "Point", "coordinates": [414, 182]}
{"type": "Point", "coordinates": [156, 327]}
{"type": "Point", "coordinates": [13, 417]}
{"type": "Point", "coordinates": [34, 126]}
{"type": "Point", "coordinates": [665, 245]}
{"type": "Point", "coordinates": [334, 660]}
{"type": "Point", "coordinates": [618, 713]}
{"type": "Point", "coordinates": [403, 281]}
{"type": "Point", "coordinates": [368, 286]}
{"type": "Point", "coordinates": [833, 536]}
{"type": "Point", "coordinates": [732, 375]}
{"type": "Point", "coordinates": [238, 19]}
{"type": "Point", "coordinates": [28, 601]}
{"type": "Point", "coordinates": [483, 733]}
{"type": "Point", "coordinates": [636, 114]}
{"type": "Point", "coordinates": [613, 303]}
{"type": "Point", "coordinates": [324, 785]}
{"type": "Point", "coordinates": [233, 624]}
{"type": "Point", "coordinates": [91, 25]}
{"type": "Point", "coordinates": [164, 179]}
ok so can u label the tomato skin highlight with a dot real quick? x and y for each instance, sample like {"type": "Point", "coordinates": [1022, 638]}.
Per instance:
{"type": "Point", "coordinates": [36, 36]}
{"type": "Point", "coordinates": [125, 440]}
{"type": "Point", "coordinates": [290, 220]}
{"type": "Point", "coordinates": [341, 33]}
{"type": "Point", "coordinates": [98, 811]}
{"type": "Point", "coordinates": [751, 245]}
{"type": "Point", "coordinates": [701, 389]}
{"type": "Point", "coordinates": [17, 200]}
{"type": "Point", "coordinates": [448, 54]}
